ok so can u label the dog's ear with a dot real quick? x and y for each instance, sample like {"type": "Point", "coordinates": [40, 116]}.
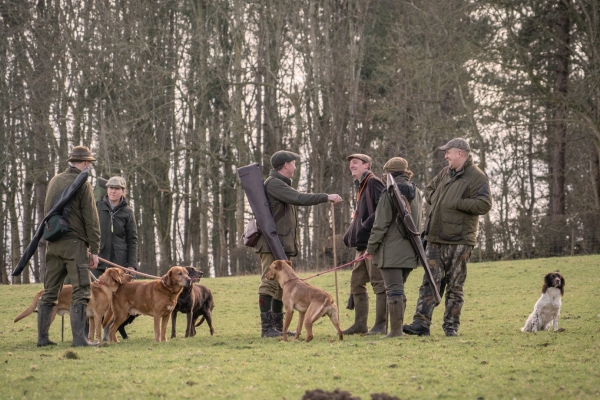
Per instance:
{"type": "Point", "coordinates": [278, 266]}
{"type": "Point", "coordinates": [116, 275]}
{"type": "Point", "coordinates": [288, 262]}
{"type": "Point", "coordinates": [562, 285]}
{"type": "Point", "coordinates": [167, 278]}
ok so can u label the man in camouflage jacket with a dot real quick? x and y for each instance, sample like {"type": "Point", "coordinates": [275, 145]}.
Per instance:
{"type": "Point", "coordinates": [458, 195]}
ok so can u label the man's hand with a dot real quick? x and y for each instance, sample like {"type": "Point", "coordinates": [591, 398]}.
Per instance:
{"type": "Point", "coordinates": [368, 255]}
{"type": "Point", "coordinates": [334, 198]}
{"type": "Point", "coordinates": [94, 261]}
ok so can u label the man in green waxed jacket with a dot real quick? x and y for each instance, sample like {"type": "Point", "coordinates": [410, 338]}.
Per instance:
{"type": "Point", "coordinates": [458, 195]}
{"type": "Point", "coordinates": [68, 256]}
{"type": "Point", "coordinates": [283, 199]}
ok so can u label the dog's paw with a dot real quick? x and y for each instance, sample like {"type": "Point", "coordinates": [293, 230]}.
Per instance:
{"type": "Point", "coordinates": [560, 330]}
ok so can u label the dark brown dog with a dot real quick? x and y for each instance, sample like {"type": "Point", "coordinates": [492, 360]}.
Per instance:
{"type": "Point", "coordinates": [311, 303]}
{"type": "Point", "coordinates": [195, 301]}
{"type": "Point", "coordinates": [156, 298]}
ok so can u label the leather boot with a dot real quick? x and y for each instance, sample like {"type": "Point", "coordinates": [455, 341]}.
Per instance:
{"type": "Point", "coordinates": [380, 327]}
{"type": "Point", "coordinates": [78, 318]}
{"type": "Point", "coordinates": [267, 329]}
{"type": "Point", "coordinates": [361, 313]}
{"type": "Point", "coordinates": [278, 323]}
{"type": "Point", "coordinates": [44, 320]}
{"type": "Point", "coordinates": [396, 305]}
{"type": "Point", "coordinates": [416, 328]}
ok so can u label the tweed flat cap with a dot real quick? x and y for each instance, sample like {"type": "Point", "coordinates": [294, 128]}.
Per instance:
{"type": "Point", "coordinates": [362, 157]}
{"type": "Point", "coordinates": [396, 164]}
{"type": "Point", "coordinates": [281, 157]}
{"type": "Point", "coordinates": [81, 153]}
{"type": "Point", "coordinates": [456, 143]}
{"type": "Point", "coordinates": [116, 181]}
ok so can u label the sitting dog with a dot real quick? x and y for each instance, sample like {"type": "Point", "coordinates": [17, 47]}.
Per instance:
{"type": "Point", "coordinates": [311, 303]}
{"type": "Point", "coordinates": [110, 281]}
{"type": "Point", "coordinates": [547, 308]}
{"type": "Point", "coordinates": [156, 298]}
{"type": "Point", "coordinates": [195, 301]}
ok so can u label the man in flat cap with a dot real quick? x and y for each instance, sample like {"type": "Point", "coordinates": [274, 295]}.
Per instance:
{"type": "Point", "coordinates": [68, 256]}
{"type": "Point", "coordinates": [368, 191]}
{"type": "Point", "coordinates": [283, 199]}
{"type": "Point", "coordinates": [389, 247]}
{"type": "Point", "coordinates": [458, 195]}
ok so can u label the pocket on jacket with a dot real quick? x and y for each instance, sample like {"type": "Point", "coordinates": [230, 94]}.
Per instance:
{"type": "Point", "coordinates": [452, 225]}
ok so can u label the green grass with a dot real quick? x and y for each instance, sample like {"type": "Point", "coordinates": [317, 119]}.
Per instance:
{"type": "Point", "coordinates": [491, 358]}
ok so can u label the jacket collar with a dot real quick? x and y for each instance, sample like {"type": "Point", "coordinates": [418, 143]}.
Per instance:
{"type": "Point", "coordinates": [121, 204]}
{"type": "Point", "coordinates": [359, 182]}
{"type": "Point", "coordinates": [277, 175]}
{"type": "Point", "coordinates": [454, 173]}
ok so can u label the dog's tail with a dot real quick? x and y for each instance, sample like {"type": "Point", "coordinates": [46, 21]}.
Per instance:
{"type": "Point", "coordinates": [200, 322]}
{"type": "Point", "coordinates": [31, 308]}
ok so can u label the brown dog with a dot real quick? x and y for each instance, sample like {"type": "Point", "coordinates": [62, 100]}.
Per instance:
{"type": "Point", "coordinates": [111, 281]}
{"type": "Point", "coordinates": [311, 303]}
{"type": "Point", "coordinates": [156, 298]}
{"type": "Point", "coordinates": [102, 292]}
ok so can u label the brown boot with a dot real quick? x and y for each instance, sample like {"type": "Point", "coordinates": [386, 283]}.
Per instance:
{"type": "Point", "coordinates": [361, 313]}
{"type": "Point", "coordinates": [396, 305]}
{"type": "Point", "coordinates": [380, 327]}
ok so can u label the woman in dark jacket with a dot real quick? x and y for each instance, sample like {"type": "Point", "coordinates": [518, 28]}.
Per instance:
{"type": "Point", "coordinates": [118, 242]}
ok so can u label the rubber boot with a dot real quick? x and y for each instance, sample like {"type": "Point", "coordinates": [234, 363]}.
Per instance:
{"type": "Point", "coordinates": [361, 313]}
{"type": "Point", "coordinates": [396, 305]}
{"type": "Point", "coordinates": [278, 322]}
{"type": "Point", "coordinates": [78, 318]}
{"type": "Point", "coordinates": [266, 322]}
{"type": "Point", "coordinates": [380, 327]}
{"type": "Point", "coordinates": [44, 321]}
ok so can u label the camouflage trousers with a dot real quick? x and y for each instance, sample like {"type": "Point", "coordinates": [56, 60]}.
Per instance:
{"type": "Point", "coordinates": [448, 263]}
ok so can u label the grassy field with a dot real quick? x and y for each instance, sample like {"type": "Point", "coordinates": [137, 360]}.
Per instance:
{"type": "Point", "coordinates": [491, 358]}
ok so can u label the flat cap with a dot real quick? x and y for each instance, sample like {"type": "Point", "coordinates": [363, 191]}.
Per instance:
{"type": "Point", "coordinates": [81, 153]}
{"type": "Point", "coordinates": [457, 143]}
{"type": "Point", "coordinates": [362, 157]}
{"type": "Point", "coordinates": [281, 157]}
{"type": "Point", "coordinates": [396, 164]}
{"type": "Point", "coordinates": [116, 181]}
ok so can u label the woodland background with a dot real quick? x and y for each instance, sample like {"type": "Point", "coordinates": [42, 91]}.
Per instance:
{"type": "Point", "coordinates": [174, 95]}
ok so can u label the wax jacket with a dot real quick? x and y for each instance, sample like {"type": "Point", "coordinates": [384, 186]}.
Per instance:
{"type": "Point", "coordinates": [368, 192]}
{"type": "Point", "coordinates": [119, 234]}
{"type": "Point", "coordinates": [457, 198]}
{"type": "Point", "coordinates": [83, 219]}
{"type": "Point", "coordinates": [283, 198]}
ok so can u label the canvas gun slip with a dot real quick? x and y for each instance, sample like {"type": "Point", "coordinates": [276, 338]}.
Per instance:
{"type": "Point", "coordinates": [412, 232]}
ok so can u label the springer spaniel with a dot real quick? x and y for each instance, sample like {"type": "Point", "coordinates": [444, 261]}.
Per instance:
{"type": "Point", "coordinates": [547, 308]}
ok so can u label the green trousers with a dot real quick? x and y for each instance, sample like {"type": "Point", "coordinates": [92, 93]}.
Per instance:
{"type": "Point", "coordinates": [67, 257]}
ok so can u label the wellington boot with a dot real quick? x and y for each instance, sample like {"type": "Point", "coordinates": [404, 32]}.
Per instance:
{"type": "Point", "coordinates": [278, 323]}
{"type": "Point", "coordinates": [361, 313]}
{"type": "Point", "coordinates": [78, 318]}
{"type": "Point", "coordinates": [44, 321]}
{"type": "Point", "coordinates": [396, 305]}
{"type": "Point", "coordinates": [267, 329]}
{"type": "Point", "coordinates": [380, 327]}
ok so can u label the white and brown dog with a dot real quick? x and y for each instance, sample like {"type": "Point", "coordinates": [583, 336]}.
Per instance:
{"type": "Point", "coordinates": [547, 308]}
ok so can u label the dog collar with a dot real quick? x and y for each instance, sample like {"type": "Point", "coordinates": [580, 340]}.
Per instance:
{"type": "Point", "coordinates": [293, 279]}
